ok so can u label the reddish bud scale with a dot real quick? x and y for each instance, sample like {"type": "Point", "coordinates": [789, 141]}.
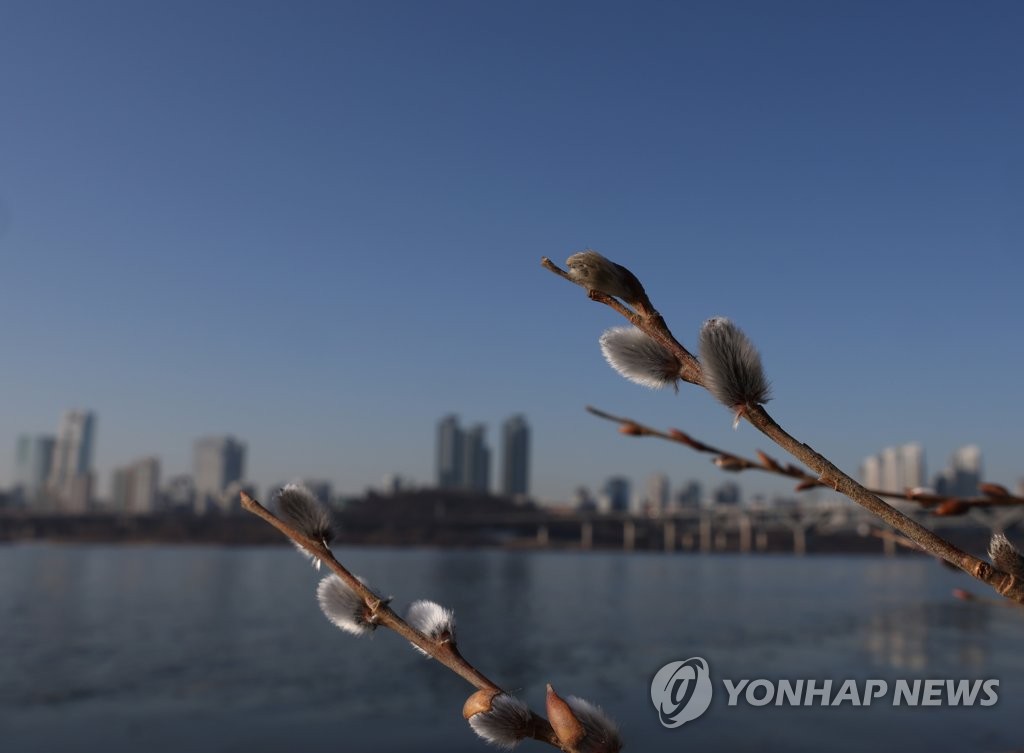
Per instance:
{"type": "Point", "coordinates": [479, 703]}
{"type": "Point", "coordinates": [994, 490]}
{"type": "Point", "coordinates": [567, 727]}
{"type": "Point", "coordinates": [952, 507]}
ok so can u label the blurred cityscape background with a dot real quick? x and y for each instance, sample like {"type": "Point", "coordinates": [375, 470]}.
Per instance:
{"type": "Point", "coordinates": [54, 474]}
{"type": "Point", "coordinates": [479, 495]}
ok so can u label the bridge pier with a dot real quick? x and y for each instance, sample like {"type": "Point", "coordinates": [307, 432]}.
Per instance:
{"type": "Point", "coordinates": [628, 535]}
{"type": "Point", "coordinates": [543, 535]}
{"type": "Point", "coordinates": [687, 541]}
{"type": "Point", "coordinates": [745, 530]}
{"type": "Point", "coordinates": [670, 535]}
{"type": "Point", "coordinates": [799, 540]}
{"type": "Point", "coordinates": [705, 532]}
{"type": "Point", "coordinates": [889, 545]}
{"type": "Point", "coordinates": [761, 541]}
{"type": "Point", "coordinates": [586, 535]}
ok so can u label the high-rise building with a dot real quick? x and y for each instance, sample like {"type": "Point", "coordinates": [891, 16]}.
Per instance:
{"type": "Point", "coordinates": [135, 488]}
{"type": "Point", "coordinates": [912, 461]}
{"type": "Point", "coordinates": [476, 460]}
{"type": "Point", "coordinates": [219, 462]}
{"type": "Point", "coordinates": [963, 474]}
{"type": "Point", "coordinates": [615, 495]}
{"type": "Point", "coordinates": [515, 457]}
{"type": "Point", "coordinates": [656, 499]}
{"type": "Point", "coordinates": [895, 469]}
{"type": "Point", "coordinates": [33, 457]}
{"type": "Point", "coordinates": [450, 456]}
{"type": "Point", "coordinates": [728, 493]}
{"type": "Point", "coordinates": [690, 496]}
{"type": "Point", "coordinates": [871, 472]}
{"type": "Point", "coordinates": [69, 483]}
{"type": "Point", "coordinates": [179, 494]}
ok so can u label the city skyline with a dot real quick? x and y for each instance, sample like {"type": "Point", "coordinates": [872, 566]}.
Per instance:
{"type": "Point", "coordinates": [323, 249]}
{"type": "Point", "coordinates": [218, 464]}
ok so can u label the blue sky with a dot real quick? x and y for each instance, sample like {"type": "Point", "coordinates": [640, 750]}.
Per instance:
{"type": "Point", "coordinates": [318, 226]}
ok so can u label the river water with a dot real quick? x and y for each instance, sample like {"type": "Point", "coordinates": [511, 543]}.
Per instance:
{"type": "Point", "coordinates": [207, 649]}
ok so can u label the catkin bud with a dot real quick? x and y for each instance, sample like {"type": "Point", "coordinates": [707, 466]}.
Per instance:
{"type": "Point", "coordinates": [729, 463]}
{"type": "Point", "coordinates": [595, 272]}
{"type": "Point", "coordinates": [1006, 556]}
{"type": "Point", "coordinates": [433, 620]}
{"type": "Point", "coordinates": [602, 732]}
{"type": "Point", "coordinates": [639, 357]}
{"type": "Point", "coordinates": [299, 507]}
{"type": "Point", "coordinates": [498, 718]}
{"type": "Point", "coordinates": [344, 607]}
{"type": "Point", "coordinates": [732, 366]}
{"type": "Point", "coordinates": [581, 726]}
{"type": "Point", "coordinates": [568, 729]}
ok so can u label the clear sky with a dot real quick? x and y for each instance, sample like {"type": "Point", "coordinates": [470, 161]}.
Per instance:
{"type": "Point", "coordinates": [318, 226]}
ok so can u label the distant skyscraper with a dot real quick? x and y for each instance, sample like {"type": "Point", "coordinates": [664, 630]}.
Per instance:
{"type": "Point", "coordinates": [450, 456]}
{"type": "Point", "coordinates": [515, 457]}
{"type": "Point", "coordinates": [871, 472]}
{"type": "Point", "coordinates": [33, 457]}
{"type": "Point", "coordinates": [476, 460]}
{"type": "Point", "coordinates": [728, 493]}
{"type": "Point", "coordinates": [219, 462]}
{"type": "Point", "coordinates": [895, 469]}
{"type": "Point", "coordinates": [657, 494]}
{"type": "Point", "coordinates": [615, 497]}
{"type": "Point", "coordinates": [179, 493]}
{"type": "Point", "coordinates": [912, 460]}
{"type": "Point", "coordinates": [690, 496]}
{"type": "Point", "coordinates": [892, 472]}
{"type": "Point", "coordinates": [963, 474]}
{"type": "Point", "coordinates": [70, 478]}
{"type": "Point", "coordinates": [135, 488]}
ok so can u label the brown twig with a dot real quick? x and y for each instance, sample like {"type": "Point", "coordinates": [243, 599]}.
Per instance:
{"type": "Point", "coordinates": [1005, 584]}
{"type": "Point", "coordinates": [443, 651]}
{"type": "Point", "coordinates": [647, 319]}
{"type": "Point", "coordinates": [996, 496]}
{"type": "Point", "coordinates": [895, 538]}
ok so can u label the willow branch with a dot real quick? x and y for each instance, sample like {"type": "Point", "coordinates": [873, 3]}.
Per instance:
{"type": "Point", "coordinates": [1004, 584]}
{"type": "Point", "coordinates": [647, 319]}
{"type": "Point", "coordinates": [444, 652]}
{"type": "Point", "coordinates": [996, 496]}
{"type": "Point", "coordinates": [691, 370]}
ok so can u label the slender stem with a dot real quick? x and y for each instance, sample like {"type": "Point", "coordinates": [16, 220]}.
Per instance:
{"type": "Point", "coordinates": [647, 320]}
{"type": "Point", "coordinates": [1003, 583]}
{"type": "Point", "coordinates": [651, 323]}
{"type": "Point", "coordinates": [733, 462]}
{"type": "Point", "coordinates": [445, 652]}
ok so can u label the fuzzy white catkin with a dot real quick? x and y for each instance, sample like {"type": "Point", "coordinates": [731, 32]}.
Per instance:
{"type": "Point", "coordinates": [732, 365]}
{"type": "Point", "coordinates": [431, 619]}
{"type": "Point", "coordinates": [298, 505]}
{"type": "Point", "coordinates": [343, 606]}
{"type": "Point", "coordinates": [506, 724]}
{"type": "Point", "coordinates": [602, 734]}
{"type": "Point", "coordinates": [1006, 556]}
{"type": "Point", "coordinates": [639, 357]}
